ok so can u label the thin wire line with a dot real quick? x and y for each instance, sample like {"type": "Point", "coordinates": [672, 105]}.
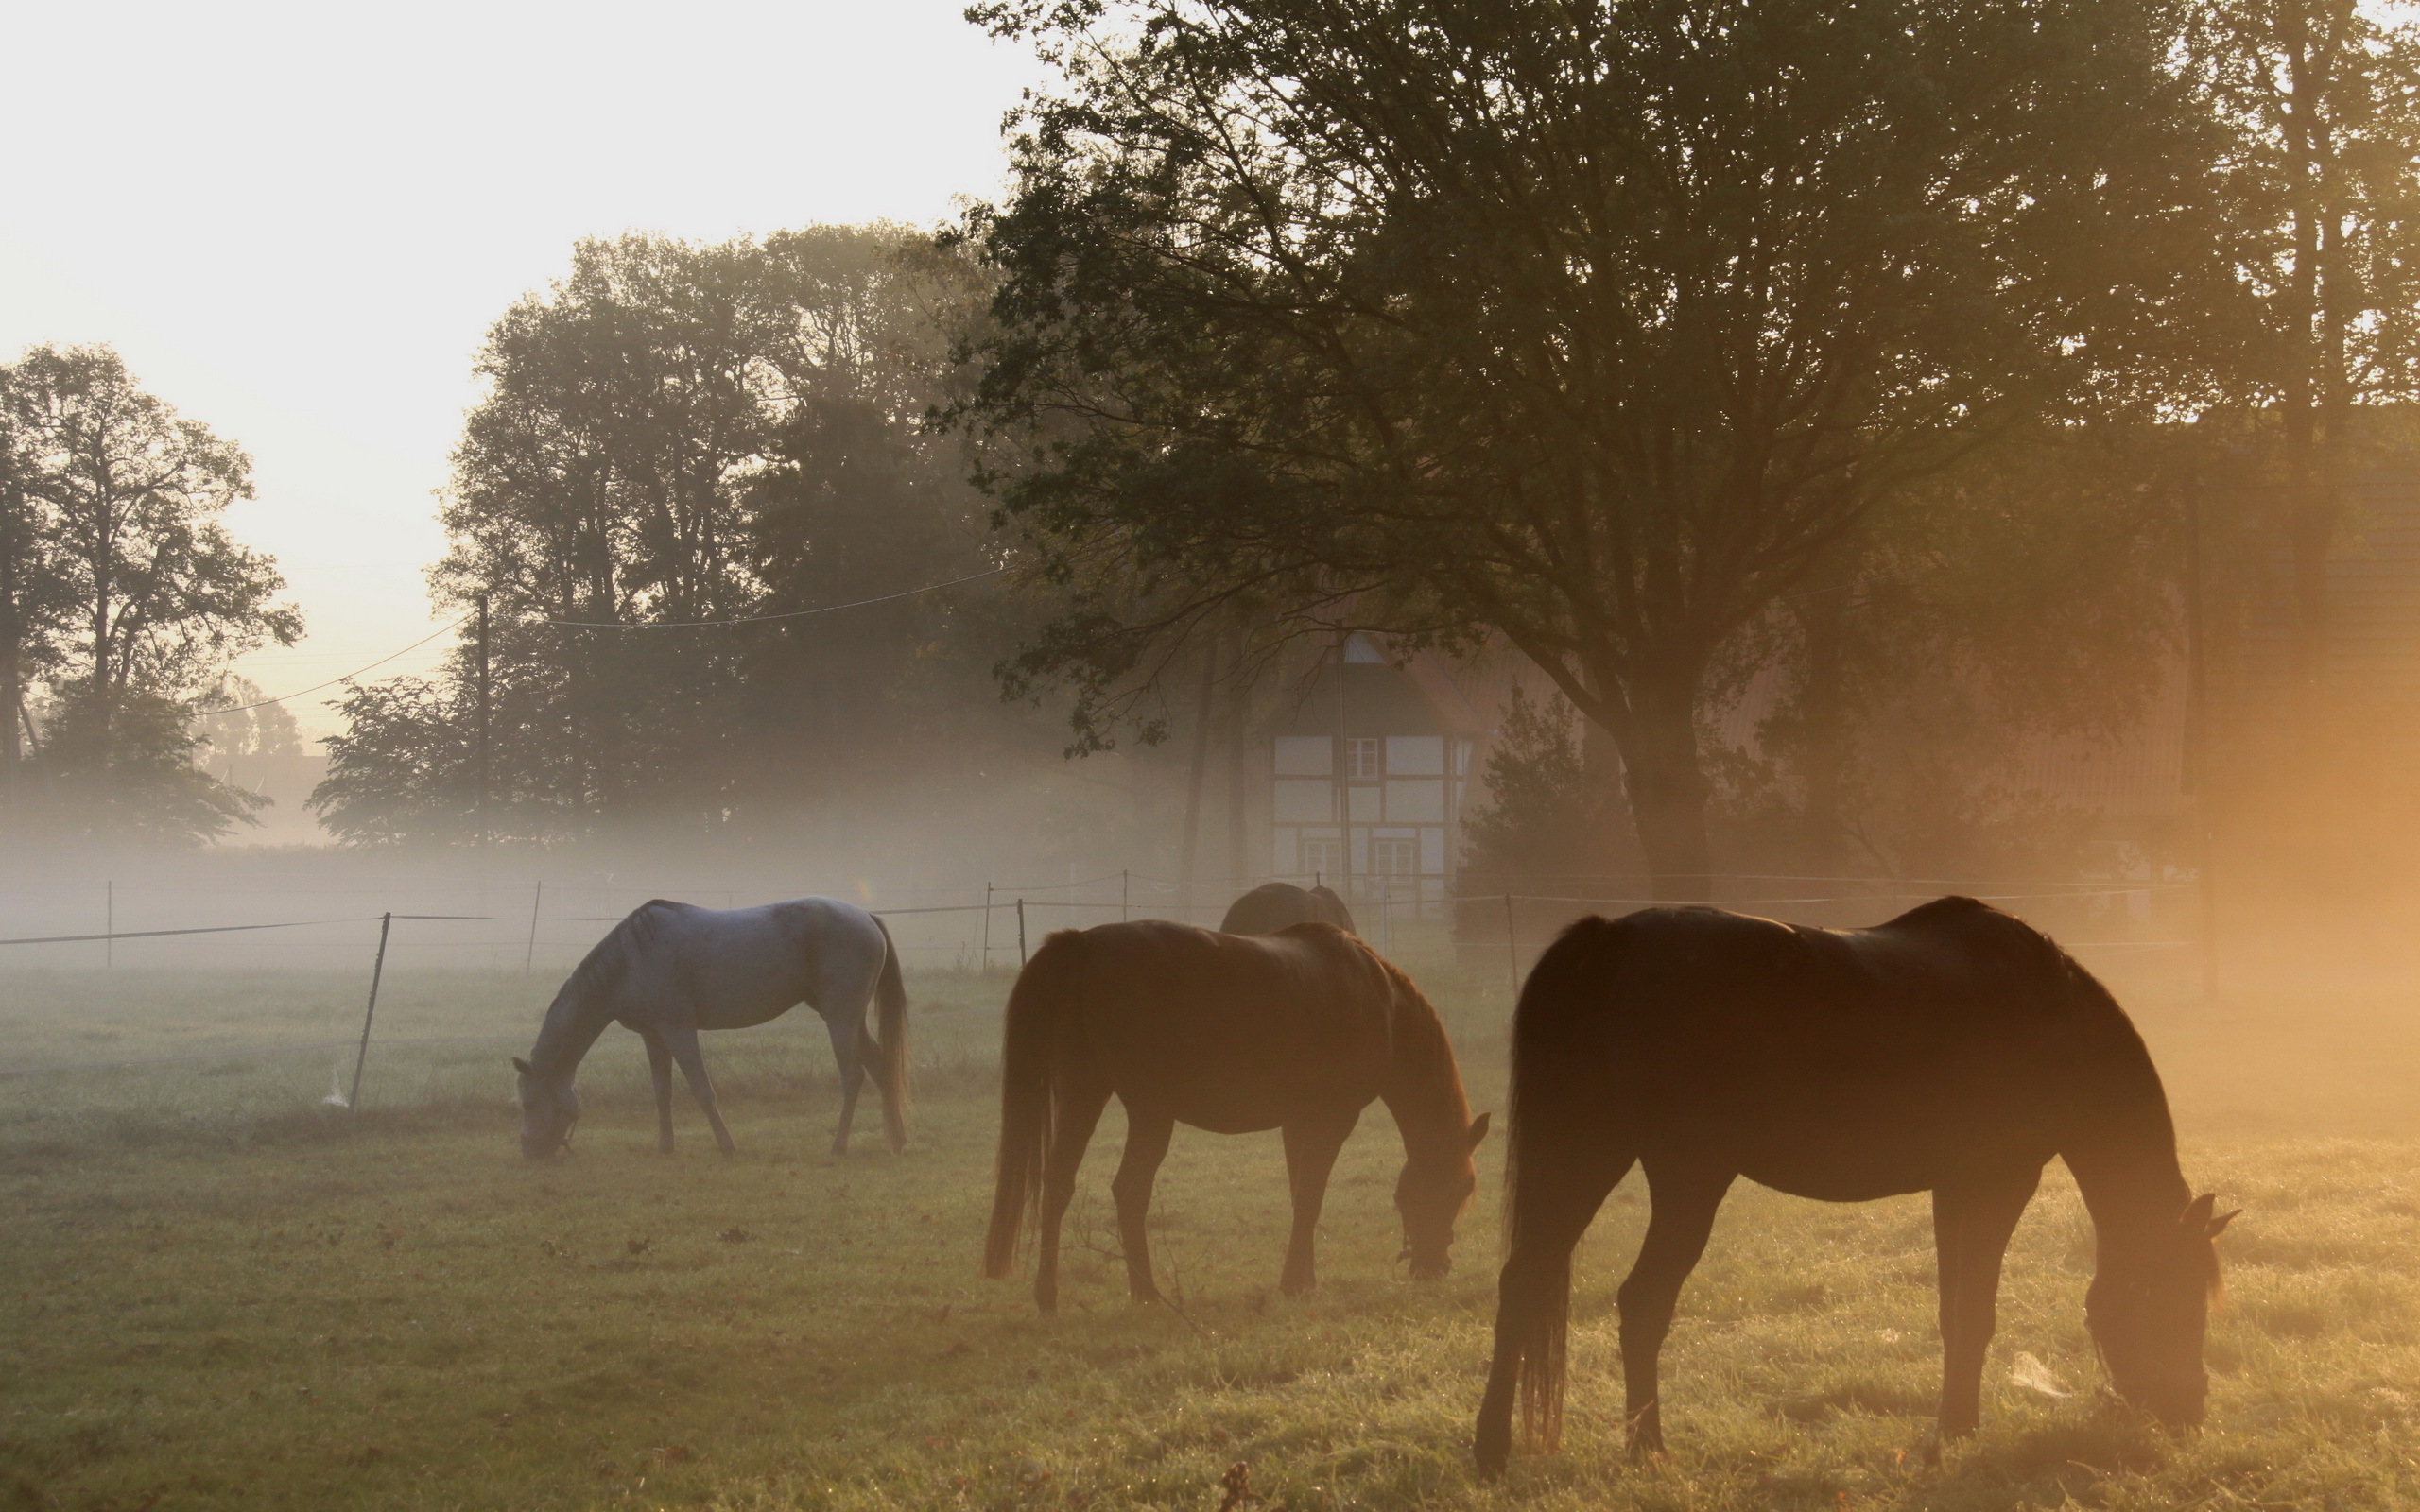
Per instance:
{"type": "Point", "coordinates": [333, 682]}
{"type": "Point", "coordinates": [759, 619]}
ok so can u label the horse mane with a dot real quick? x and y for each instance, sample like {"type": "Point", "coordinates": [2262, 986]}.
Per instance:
{"type": "Point", "coordinates": [1419, 1033]}
{"type": "Point", "coordinates": [600, 972]}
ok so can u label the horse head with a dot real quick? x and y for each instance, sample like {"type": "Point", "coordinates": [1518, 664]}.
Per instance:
{"type": "Point", "coordinates": [1430, 1196]}
{"type": "Point", "coordinates": [2148, 1310]}
{"type": "Point", "coordinates": [548, 1110]}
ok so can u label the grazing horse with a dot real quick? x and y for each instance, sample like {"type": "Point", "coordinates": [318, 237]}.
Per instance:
{"type": "Point", "coordinates": [1297, 1031]}
{"type": "Point", "coordinates": [1275, 906]}
{"type": "Point", "coordinates": [670, 970]}
{"type": "Point", "coordinates": [1953, 1050]}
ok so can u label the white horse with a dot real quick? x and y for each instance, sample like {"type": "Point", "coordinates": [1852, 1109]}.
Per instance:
{"type": "Point", "coordinates": [670, 970]}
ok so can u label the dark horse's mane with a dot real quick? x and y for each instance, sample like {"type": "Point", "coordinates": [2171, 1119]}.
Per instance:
{"type": "Point", "coordinates": [1424, 1032]}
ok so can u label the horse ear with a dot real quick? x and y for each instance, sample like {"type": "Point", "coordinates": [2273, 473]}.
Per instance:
{"type": "Point", "coordinates": [2197, 1212]}
{"type": "Point", "coordinates": [2219, 1225]}
{"type": "Point", "coordinates": [1478, 1130]}
{"type": "Point", "coordinates": [522, 1066]}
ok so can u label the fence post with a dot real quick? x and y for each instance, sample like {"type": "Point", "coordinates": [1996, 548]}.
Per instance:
{"type": "Point", "coordinates": [1511, 951]}
{"type": "Point", "coordinates": [1121, 895]}
{"type": "Point", "coordinates": [987, 926]}
{"type": "Point", "coordinates": [529, 959]}
{"type": "Point", "coordinates": [108, 928]}
{"type": "Point", "coordinates": [377, 969]}
{"type": "Point", "coordinates": [1020, 933]}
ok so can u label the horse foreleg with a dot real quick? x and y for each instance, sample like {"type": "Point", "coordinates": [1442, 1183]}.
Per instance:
{"type": "Point", "coordinates": [1147, 1145]}
{"type": "Point", "coordinates": [659, 1065]}
{"type": "Point", "coordinates": [683, 1041]}
{"type": "Point", "coordinates": [1310, 1155]}
{"type": "Point", "coordinates": [1684, 1199]}
{"type": "Point", "coordinates": [1076, 1114]}
{"type": "Point", "coordinates": [1971, 1224]}
{"type": "Point", "coordinates": [848, 1051]}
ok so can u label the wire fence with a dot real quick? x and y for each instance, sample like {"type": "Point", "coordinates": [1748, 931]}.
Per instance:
{"type": "Point", "coordinates": [2118, 925]}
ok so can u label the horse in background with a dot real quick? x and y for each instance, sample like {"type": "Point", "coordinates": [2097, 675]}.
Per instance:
{"type": "Point", "coordinates": [1297, 1031]}
{"type": "Point", "coordinates": [1954, 1050]}
{"type": "Point", "coordinates": [1275, 906]}
{"type": "Point", "coordinates": [670, 970]}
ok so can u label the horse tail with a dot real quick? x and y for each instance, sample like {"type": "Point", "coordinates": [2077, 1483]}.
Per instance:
{"type": "Point", "coordinates": [891, 1005]}
{"type": "Point", "coordinates": [1559, 1072]}
{"type": "Point", "coordinates": [1044, 991]}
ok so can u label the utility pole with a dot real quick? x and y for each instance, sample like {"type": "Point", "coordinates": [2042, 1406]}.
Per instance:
{"type": "Point", "coordinates": [485, 706]}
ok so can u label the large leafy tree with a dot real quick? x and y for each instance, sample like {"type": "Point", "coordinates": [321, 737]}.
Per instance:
{"type": "Point", "coordinates": [678, 433]}
{"type": "Point", "coordinates": [1595, 326]}
{"type": "Point", "coordinates": [128, 595]}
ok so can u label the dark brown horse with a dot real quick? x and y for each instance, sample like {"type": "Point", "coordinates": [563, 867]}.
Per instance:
{"type": "Point", "coordinates": [1297, 1031]}
{"type": "Point", "coordinates": [1953, 1050]}
{"type": "Point", "coordinates": [1275, 906]}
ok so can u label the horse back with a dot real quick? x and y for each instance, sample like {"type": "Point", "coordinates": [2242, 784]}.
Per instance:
{"type": "Point", "coordinates": [1832, 1062]}
{"type": "Point", "coordinates": [1230, 1032]}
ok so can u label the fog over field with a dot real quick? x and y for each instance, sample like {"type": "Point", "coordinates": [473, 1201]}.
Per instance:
{"type": "Point", "coordinates": [473, 476]}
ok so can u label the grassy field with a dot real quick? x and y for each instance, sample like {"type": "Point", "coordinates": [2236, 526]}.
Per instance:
{"type": "Point", "coordinates": [221, 1293]}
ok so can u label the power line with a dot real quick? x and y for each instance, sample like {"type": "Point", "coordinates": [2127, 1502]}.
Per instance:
{"type": "Point", "coordinates": [611, 624]}
{"type": "Point", "coordinates": [333, 682]}
{"type": "Point", "coordinates": [759, 619]}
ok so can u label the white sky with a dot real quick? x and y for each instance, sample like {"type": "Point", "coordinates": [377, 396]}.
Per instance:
{"type": "Point", "coordinates": [296, 221]}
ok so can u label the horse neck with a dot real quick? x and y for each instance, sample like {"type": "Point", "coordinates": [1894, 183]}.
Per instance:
{"type": "Point", "coordinates": [2123, 1157]}
{"type": "Point", "coordinates": [571, 1026]}
{"type": "Point", "coordinates": [1423, 1088]}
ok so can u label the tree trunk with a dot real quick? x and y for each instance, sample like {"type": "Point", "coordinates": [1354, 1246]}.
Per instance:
{"type": "Point", "coordinates": [1823, 757]}
{"type": "Point", "coordinates": [1193, 777]}
{"type": "Point", "coordinates": [2310, 510]}
{"type": "Point", "coordinates": [1238, 733]}
{"type": "Point", "coordinates": [1669, 790]}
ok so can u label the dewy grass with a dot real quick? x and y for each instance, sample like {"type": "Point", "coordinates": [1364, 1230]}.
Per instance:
{"type": "Point", "coordinates": [219, 1294]}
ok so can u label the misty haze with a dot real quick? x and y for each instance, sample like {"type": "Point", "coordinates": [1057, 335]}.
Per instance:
{"type": "Point", "coordinates": [1230, 754]}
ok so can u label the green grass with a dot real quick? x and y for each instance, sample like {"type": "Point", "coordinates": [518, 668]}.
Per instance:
{"type": "Point", "coordinates": [216, 1292]}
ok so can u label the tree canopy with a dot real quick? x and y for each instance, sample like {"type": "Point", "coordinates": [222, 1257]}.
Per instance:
{"type": "Point", "coordinates": [1592, 328]}
{"type": "Point", "coordinates": [686, 454]}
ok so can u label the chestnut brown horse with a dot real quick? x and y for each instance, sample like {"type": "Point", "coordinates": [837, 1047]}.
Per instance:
{"type": "Point", "coordinates": [1954, 1050]}
{"type": "Point", "coordinates": [1297, 1031]}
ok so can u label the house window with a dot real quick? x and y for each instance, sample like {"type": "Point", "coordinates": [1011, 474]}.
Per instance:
{"type": "Point", "coordinates": [1394, 858]}
{"type": "Point", "coordinates": [1324, 859]}
{"type": "Point", "coordinates": [1361, 756]}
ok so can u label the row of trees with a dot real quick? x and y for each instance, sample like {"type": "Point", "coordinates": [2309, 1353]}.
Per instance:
{"type": "Point", "coordinates": [684, 453]}
{"type": "Point", "coordinates": [122, 599]}
{"type": "Point", "coordinates": [1663, 342]}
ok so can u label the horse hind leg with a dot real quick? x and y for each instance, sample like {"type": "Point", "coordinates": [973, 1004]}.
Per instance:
{"type": "Point", "coordinates": [659, 1065]}
{"type": "Point", "coordinates": [1534, 1293]}
{"type": "Point", "coordinates": [1078, 1113]}
{"type": "Point", "coordinates": [1684, 1198]}
{"type": "Point", "coordinates": [849, 1053]}
{"type": "Point", "coordinates": [683, 1041]}
{"type": "Point", "coordinates": [1147, 1145]}
{"type": "Point", "coordinates": [1972, 1222]}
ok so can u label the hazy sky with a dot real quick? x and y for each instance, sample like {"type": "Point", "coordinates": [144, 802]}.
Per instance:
{"type": "Point", "coordinates": [296, 221]}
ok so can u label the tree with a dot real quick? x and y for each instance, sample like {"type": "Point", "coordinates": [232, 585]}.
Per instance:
{"type": "Point", "coordinates": [126, 594]}
{"type": "Point", "coordinates": [1593, 325]}
{"type": "Point", "coordinates": [676, 434]}
{"type": "Point", "coordinates": [36, 597]}
{"type": "Point", "coordinates": [2323, 177]}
